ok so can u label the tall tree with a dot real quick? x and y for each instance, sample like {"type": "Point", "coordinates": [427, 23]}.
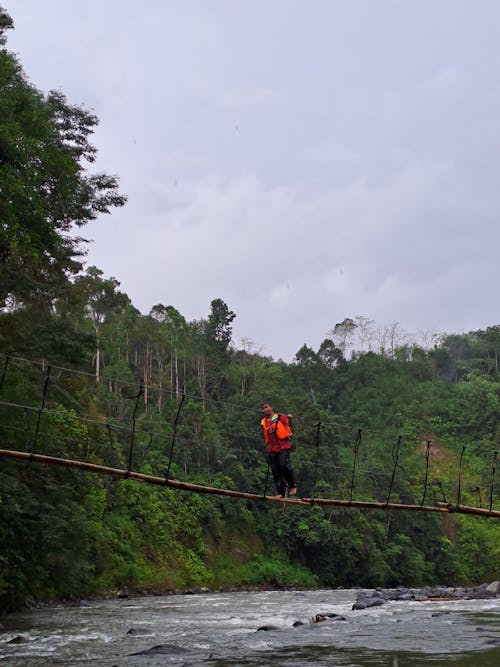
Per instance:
{"type": "Point", "coordinates": [342, 334]}
{"type": "Point", "coordinates": [100, 296]}
{"type": "Point", "coordinates": [46, 187]}
{"type": "Point", "coordinates": [219, 329]}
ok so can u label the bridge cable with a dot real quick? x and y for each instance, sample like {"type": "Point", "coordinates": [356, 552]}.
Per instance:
{"type": "Point", "coordinates": [318, 436]}
{"type": "Point", "coordinates": [357, 443]}
{"type": "Point", "coordinates": [42, 406]}
{"type": "Point", "coordinates": [439, 484]}
{"type": "Point", "coordinates": [477, 489]}
{"type": "Point", "coordinates": [267, 477]}
{"type": "Point", "coordinates": [147, 447]}
{"type": "Point", "coordinates": [81, 418]}
{"type": "Point", "coordinates": [174, 435]}
{"type": "Point", "coordinates": [427, 454]}
{"type": "Point", "coordinates": [26, 429]}
{"type": "Point", "coordinates": [346, 425]}
{"type": "Point", "coordinates": [4, 372]}
{"type": "Point", "coordinates": [493, 468]}
{"type": "Point", "coordinates": [132, 436]}
{"type": "Point", "coordinates": [12, 357]}
{"type": "Point", "coordinates": [395, 458]}
{"type": "Point", "coordinates": [112, 444]}
{"type": "Point", "coordinates": [460, 466]}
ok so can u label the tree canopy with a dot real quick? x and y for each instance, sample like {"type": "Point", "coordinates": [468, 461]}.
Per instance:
{"type": "Point", "coordinates": [46, 184]}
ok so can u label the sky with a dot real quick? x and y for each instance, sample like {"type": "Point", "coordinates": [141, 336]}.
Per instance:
{"type": "Point", "coordinates": [303, 161]}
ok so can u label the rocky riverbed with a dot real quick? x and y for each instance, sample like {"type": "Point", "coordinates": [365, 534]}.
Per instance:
{"type": "Point", "coordinates": [321, 628]}
{"type": "Point", "coordinates": [379, 596]}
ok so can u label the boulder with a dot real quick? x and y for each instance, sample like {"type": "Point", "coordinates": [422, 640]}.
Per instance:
{"type": "Point", "coordinates": [327, 616]}
{"type": "Point", "coordinates": [387, 594]}
{"type": "Point", "coordinates": [494, 587]}
{"type": "Point", "coordinates": [162, 649]}
{"type": "Point", "coordinates": [480, 594]}
{"type": "Point", "coordinates": [138, 632]}
{"type": "Point", "coordinates": [366, 602]}
{"type": "Point", "coordinates": [18, 639]}
{"type": "Point", "coordinates": [440, 613]}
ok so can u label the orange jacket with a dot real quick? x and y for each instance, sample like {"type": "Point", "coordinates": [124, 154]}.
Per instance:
{"type": "Point", "coordinates": [276, 432]}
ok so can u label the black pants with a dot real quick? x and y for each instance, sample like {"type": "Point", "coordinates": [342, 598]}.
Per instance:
{"type": "Point", "coordinates": [279, 463]}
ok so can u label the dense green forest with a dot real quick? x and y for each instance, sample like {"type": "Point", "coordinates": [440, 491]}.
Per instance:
{"type": "Point", "coordinates": [85, 375]}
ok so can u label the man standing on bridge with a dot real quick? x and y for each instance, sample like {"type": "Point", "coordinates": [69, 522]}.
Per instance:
{"type": "Point", "coordinates": [277, 432]}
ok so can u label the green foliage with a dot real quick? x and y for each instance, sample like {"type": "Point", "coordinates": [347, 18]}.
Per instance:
{"type": "Point", "coordinates": [47, 191]}
{"type": "Point", "coordinates": [478, 544]}
{"type": "Point", "coordinates": [264, 570]}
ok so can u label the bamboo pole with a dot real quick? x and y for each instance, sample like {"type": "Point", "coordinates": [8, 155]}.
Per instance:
{"type": "Point", "coordinates": [373, 505]}
{"type": "Point", "coordinates": [186, 486]}
{"type": "Point", "coordinates": [467, 509]}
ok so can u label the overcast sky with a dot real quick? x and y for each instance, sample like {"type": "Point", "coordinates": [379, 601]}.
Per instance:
{"type": "Point", "coordinates": [303, 161]}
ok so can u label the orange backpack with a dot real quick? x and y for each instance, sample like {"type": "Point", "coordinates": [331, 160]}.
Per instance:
{"type": "Point", "coordinates": [282, 431]}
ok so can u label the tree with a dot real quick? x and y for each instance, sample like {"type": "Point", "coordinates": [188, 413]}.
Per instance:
{"type": "Point", "coordinates": [329, 354]}
{"type": "Point", "coordinates": [364, 332]}
{"type": "Point", "coordinates": [342, 334]}
{"type": "Point", "coordinates": [173, 335]}
{"type": "Point", "coordinates": [490, 340]}
{"type": "Point", "coordinates": [391, 337]}
{"type": "Point", "coordinates": [306, 356]}
{"type": "Point", "coordinates": [46, 187]}
{"type": "Point", "coordinates": [6, 23]}
{"type": "Point", "coordinates": [219, 328]}
{"type": "Point", "coordinates": [101, 297]}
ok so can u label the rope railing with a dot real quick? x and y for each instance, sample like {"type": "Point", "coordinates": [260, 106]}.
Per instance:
{"type": "Point", "coordinates": [336, 420]}
{"type": "Point", "coordinates": [333, 420]}
{"type": "Point", "coordinates": [126, 383]}
{"type": "Point", "coordinates": [300, 459]}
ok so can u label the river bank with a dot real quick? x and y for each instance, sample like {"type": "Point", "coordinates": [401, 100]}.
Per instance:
{"type": "Point", "coordinates": [365, 598]}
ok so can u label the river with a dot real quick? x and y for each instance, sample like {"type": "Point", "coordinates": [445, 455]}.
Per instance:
{"type": "Point", "coordinates": [221, 630]}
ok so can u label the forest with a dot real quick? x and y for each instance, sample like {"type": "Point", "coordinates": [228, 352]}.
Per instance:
{"type": "Point", "coordinates": [378, 415]}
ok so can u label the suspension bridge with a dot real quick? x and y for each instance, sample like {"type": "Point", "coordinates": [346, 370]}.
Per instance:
{"type": "Point", "coordinates": [126, 444]}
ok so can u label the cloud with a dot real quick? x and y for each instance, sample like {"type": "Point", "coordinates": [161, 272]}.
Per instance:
{"type": "Point", "coordinates": [441, 87]}
{"type": "Point", "coordinates": [290, 261]}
